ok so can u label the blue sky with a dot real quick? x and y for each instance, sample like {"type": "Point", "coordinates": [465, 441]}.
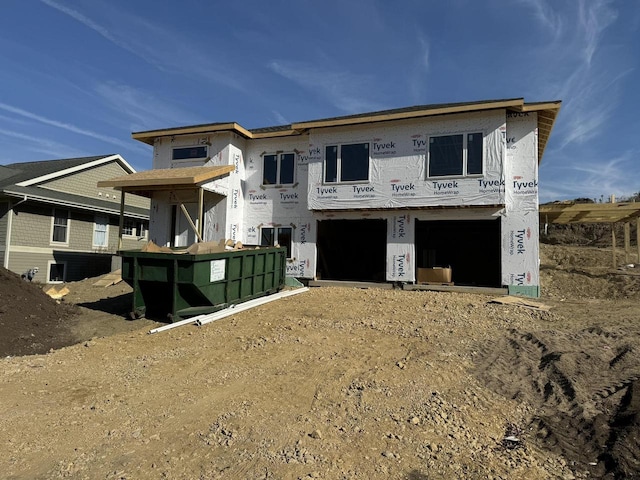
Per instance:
{"type": "Point", "coordinates": [78, 76]}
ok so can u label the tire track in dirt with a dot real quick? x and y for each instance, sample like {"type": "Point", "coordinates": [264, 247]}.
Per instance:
{"type": "Point", "coordinates": [583, 386]}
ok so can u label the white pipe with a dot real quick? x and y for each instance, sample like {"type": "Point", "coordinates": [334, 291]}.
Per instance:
{"type": "Point", "coordinates": [237, 308]}
{"type": "Point", "coordinates": [212, 317]}
{"type": "Point", "coordinates": [176, 324]}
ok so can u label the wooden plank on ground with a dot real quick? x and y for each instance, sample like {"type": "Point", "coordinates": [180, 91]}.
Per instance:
{"type": "Point", "coordinates": [109, 279]}
{"type": "Point", "coordinates": [520, 302]}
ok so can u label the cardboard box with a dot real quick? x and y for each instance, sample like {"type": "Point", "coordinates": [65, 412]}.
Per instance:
{"type": "Point", "coordinates": [434, 275]}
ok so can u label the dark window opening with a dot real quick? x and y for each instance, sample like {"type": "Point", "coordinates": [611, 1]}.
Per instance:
{"type": "Point", "coordinates": [346, 163]}
{"type": "Point", "coordinates": [282, 236]}
{"type": "Point", "coordinates": [189, 152]}
{"type": "Point", "coordinates": [56, 272]}
{"type": "Point", "coordinates": [278, 169]}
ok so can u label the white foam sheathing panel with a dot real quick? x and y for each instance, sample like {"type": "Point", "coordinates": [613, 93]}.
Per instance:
{"type": "Point", "coordinates": [398, 168]}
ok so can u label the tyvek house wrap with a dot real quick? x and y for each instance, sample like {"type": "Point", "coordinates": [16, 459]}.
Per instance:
{"type": "Point", "coordinates": [520, 249]}
{"type": "Point", "coordinates": [401, 248]}
{"type": "Point", "coordinates": [398, 163]}
{"type": "Point", "coordinates": [271, 206]}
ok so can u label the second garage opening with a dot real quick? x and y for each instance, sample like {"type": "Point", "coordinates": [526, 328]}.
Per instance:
{"type": "Point", "coordinates": [352, 250]}
{"type": "Point", "coordinates": [470, 247]}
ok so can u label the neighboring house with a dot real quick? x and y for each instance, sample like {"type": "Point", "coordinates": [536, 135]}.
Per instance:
{"type": "Point", "coordinates": [54, 217]}
{"type": "Point", "coordinates": [368, 197]}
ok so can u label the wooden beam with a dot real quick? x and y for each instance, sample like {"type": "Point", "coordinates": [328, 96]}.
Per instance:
{"type": "Point", "coordinates": [627, 241]}
{"type": "Point", "coordinates": [200, 211]}
{"type": "Point", "coordinates": [193, 225]}
{"type": "Point", "coordinates": [613, 244]}
{"type": "Point", "coordinates": [121, 222]}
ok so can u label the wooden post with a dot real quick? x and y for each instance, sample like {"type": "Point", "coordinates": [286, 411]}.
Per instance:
{"type": "Point", "coordinates": [638, 239]}
{"type": "Point", "coordinates": [613, 244]}
{"type": "Point", "coordinates": [200, 212]}
{"type": "Point", "coordinates": [121, 223]}
{"type": "Point", "coordinates": [627, 242]}
{"type": "Point", "coordinates": [190, 220]}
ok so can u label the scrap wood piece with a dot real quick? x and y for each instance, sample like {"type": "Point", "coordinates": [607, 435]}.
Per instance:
{"type": "Point", "coordinates": [520, 302]}
{"type": "Point", "coordinates": [109, 279]}
{"type": "Point", "coordinates": [56, 294]}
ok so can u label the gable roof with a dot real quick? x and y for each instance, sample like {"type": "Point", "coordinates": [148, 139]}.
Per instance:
{"type": "Point", "coordinates": [547, 113]}
{"type": "Point", "coordinates": [22, 179]}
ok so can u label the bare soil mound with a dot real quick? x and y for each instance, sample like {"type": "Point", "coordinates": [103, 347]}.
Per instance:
{"type": "Point", "coordinates": [31, 322]}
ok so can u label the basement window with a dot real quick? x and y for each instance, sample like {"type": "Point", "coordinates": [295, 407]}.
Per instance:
{"type": "Point", "coordinates": [189, 153]}
{"type": "Point", "coordinates": [278, 169]}
{"type": "Point", "coordinates": [455, 155]}
{"type": "Point", "coordinates": [346, 163]}
{"type": "Point", "coordinates": [272, 236]}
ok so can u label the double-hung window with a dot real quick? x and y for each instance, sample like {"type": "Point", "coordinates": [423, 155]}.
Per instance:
{"type": "Point", "coordinates": [101, 231]}
{"type": "Point", "coordinates": [134, 228]}
{"type": "Point", "coordinates": [270, 236]}
{"type": "Point", "coordinates": [346, 163]}
{"type": "Point", "coordinates": [455, 155]}
{"type": "Point", "coordinates": [278, 168]}
{"type": "Point", "coordinates": [60, 233]}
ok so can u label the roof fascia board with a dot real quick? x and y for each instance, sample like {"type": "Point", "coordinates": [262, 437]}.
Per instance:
{"type": "Point", "coordinates": [464, 108]}
{"type": "Point", "coordinates": [79, 206]}
{"type": "Point", "coordinates": [77, 168]}
{"type": "Point", "coordinates": [148, 137]}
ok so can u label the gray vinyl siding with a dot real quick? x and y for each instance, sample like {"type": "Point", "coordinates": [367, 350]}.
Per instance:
{"type": "Point", "coordinates": [85, 183]}
{"type": "Point", "coordinates": [31, 226]}
{"type": "Point", "coordinates": [4, 221]}
{"type": "Point", "coordinates": [78, 265]}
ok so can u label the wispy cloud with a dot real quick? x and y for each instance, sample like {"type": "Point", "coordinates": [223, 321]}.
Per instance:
{"type": "Point", "coordinates": [546, 16]}
{"type": "Point", "coordinates": [346, 91]}
{"type": "Point", "coordinates": [144, 110]}
{"type": "Point", "coordinates": [595, 16]}
{"type": "Point", "coordinates": [43, 145]}
{"type": "Point", "coordinates": [65, 126]}
{"type": "Point", "coordinates": [159, 47]}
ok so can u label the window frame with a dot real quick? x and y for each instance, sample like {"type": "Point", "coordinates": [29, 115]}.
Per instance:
{"type": "Point", "coordinates": [95, 230]}
{"type": "Point", "coordinates": [138, 229]}
{"type": "Point", "coordinates": [278, 158]}
{"type": "Point", "coordinates": [50, 264]}
{"type": "Point", "coordinates": [189, 147]}
{"type": "Point", "coordinates": [275, 238]}
{"type": "Point", "coordinates": [338, 164]}
{"type": "Point", "coordinates": [67, 227]}
{"type": "Point", "coordinates": [465, 155]}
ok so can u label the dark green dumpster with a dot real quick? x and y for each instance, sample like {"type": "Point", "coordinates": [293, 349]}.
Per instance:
{"type": "Point", "coordinates": [174, 286]}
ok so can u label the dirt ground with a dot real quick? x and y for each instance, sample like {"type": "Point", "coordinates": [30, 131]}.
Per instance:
{"type": "Point", "coordinates": [334, 383]}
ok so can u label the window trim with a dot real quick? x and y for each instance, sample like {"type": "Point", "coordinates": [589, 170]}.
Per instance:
{"type": "Point", "coordinates": [67, 226]}
{"type": "Point", "coordinates": [279, 156]}
{"type": "Point", "coordinates": [465, 167]}
{"type": "Point", "coordinates": [339, 164]}
{"type": "Point", "coordinates": [50, 263]}
{"type": "Point", "coordinates": [106, 231]}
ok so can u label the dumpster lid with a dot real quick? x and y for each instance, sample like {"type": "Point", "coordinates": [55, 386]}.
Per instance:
{"type": "Point", "coordinates": [166, 178]}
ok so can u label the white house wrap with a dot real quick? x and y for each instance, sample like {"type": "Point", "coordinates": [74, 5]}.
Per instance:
{"type": "Point", "coordinates": [374, 196]}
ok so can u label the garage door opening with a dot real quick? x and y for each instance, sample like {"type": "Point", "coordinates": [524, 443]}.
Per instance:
{"type": "Point", "coordinates": [471, 247]}
{"type": "Point", "coordinates": [352, 250]}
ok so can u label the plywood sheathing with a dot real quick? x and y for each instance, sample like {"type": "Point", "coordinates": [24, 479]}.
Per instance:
{"type": "Point", "coordinates": [166, 178]}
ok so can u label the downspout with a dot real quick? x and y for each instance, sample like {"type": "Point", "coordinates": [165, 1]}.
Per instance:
{"type": "Point", "coordinates": [7, 241]}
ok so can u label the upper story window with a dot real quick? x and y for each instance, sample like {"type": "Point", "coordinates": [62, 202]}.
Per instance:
{"type": "Point", "coordinates": [189, 153]}
{"type": "Point", "coordinates": [455, 155]}
{"type": "Point", "coordinates": [60, 228]}
{"type": "Point", "coordinates": [101, 231]}
{"type": "Point", "coordinates": [346, 163]}
{"type": "Point", "coordinates": [278, 168]}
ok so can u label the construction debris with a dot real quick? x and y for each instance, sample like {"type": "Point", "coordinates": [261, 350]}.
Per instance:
{"type": "Point", "coordinates": [56, 294]}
